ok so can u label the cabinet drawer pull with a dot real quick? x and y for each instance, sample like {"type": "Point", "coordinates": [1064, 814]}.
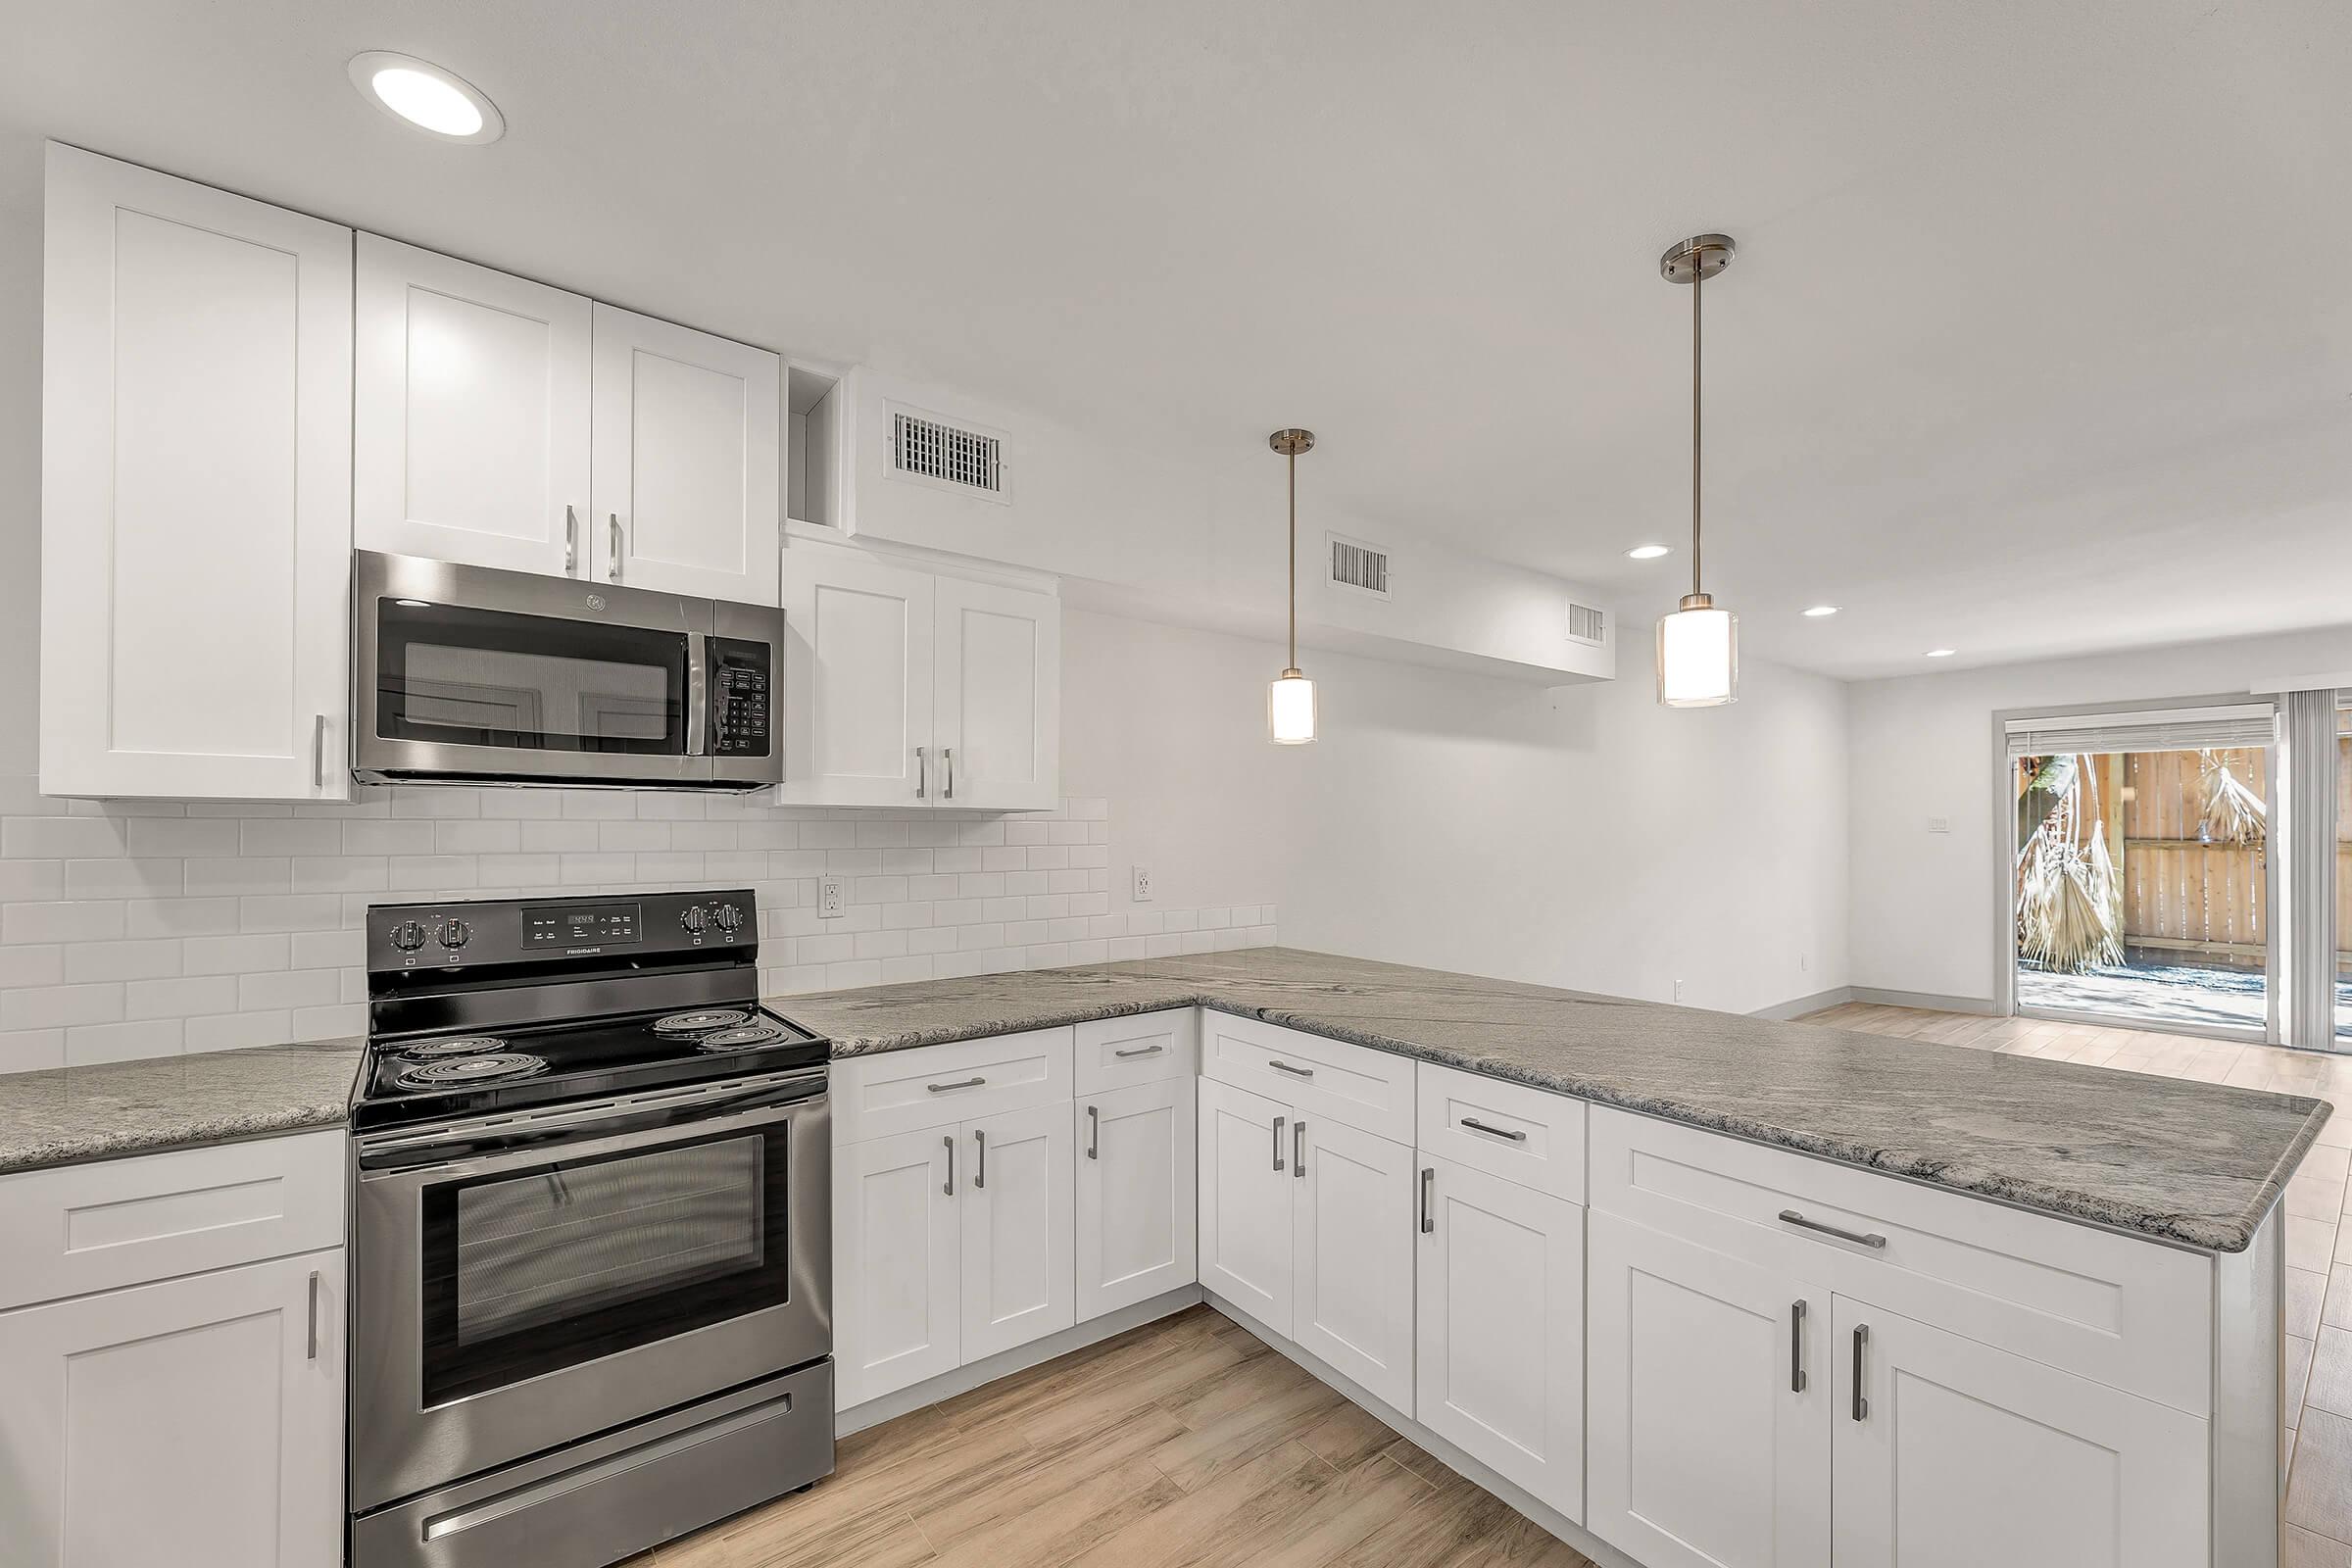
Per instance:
{"type": "Point", "coordinates": [314, 1310]}
{"type": "Point", "coordinates": [949, 1185]}
{"type": "Point", "coordinates": [923, 772]}
{"type": "Point", "coordinates": [1093, 1132]}
{"type": "Point", "coordinates": [318, 752]}
{"type": "Point", "coordinates": [1140, 1050]}
{"type": "Point", "coordinates": [1278, 1121]}
{"type": "Point", "coordinates": [1789, 1217]}
{"type": "Point", "coordinates": [980, 1176]}
{"type": "Point", "coordinates": [1493, 1132]}
{"type": "Point", "coordinates": [968, 1083]}
{"type": "Point", "coordinates": [612, 570]}
{"type": "Point", "coordinates": [1299, 1148]}
{"type": "Point", "coordinates": [1861, 1341]}
{"type": "Point", "coordinates": [1429, 1215]}
{"type": "Point", "coordinates": [947, 755]}
{"type": "Point", "coordinates": [571, 541]}
{"type": "Point", "coordinates": [1296, 1072]}
{"type": "Point", "coordinates": [1797, 1347]}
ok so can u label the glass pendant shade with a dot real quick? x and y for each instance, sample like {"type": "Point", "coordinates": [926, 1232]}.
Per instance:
{"type": "Point", "coordinates": [1291, 708]}
{"type": "Point", "coordinates": [1698, 657]}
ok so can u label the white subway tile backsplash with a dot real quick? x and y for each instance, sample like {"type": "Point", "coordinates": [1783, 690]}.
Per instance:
{"type": "Point", "coordinates": [178, 836]}
{"type": "Point", "coordinates": [210, 875]}
{"type": "Point", "coordinates": [124, 878]}
{"type": "Point", "coordinates": [86, 961]}
{"type": "Point", "coordinates": [291, 836]}
{"type": "Point", "coordinates": [364, 836]}
{"type": "Point", "coordinates": [180, 998]}
{"type": "Point", "coordinates": [31, 1050]}
{"type": "Point", "coordinates": [235, 955]}
{"type": "Point", "coordinates": [87, 1044]}
{"type": "Point", "coordinates": [41, 837]}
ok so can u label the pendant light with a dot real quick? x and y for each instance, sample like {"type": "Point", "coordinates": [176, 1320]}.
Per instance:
{"type": "Point", "coordinates": [1291, 698]}
{"type": "Point", "coordinates": [1698, 645]}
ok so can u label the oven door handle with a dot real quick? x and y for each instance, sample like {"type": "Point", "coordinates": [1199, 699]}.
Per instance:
{"type": "Point", "coordinates": [496, 1144]}
{"type": "Point", "coordinates": [698, 694]}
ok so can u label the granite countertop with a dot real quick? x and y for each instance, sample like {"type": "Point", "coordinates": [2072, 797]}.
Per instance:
{"type": "Point", "coordinates": [66, 1116]}
{"type": "Point", "coordinates": [2190, 1162]}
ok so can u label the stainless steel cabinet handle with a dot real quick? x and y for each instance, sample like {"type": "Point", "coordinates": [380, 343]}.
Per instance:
{"type": "Point", "coordinates": [1140, 1050]}
{"type": "Point", "coordinates": [1861, 1340]}
{"type": "Point", "coordinates": [318, 752]}
{"type": "Point", "coordinates": [1299, 1148]}
{"type": "Point", "coordinates": [1797, 1347]}
{"type": "Point", "coordinates": [980, 1176]}
{"type": "Point", "coordinates": [1497, 1132]}
{"type": "Point", "coordinates": [968, 1083]}
{"type": "Point", "coordinates": [571, 541]}
{"type": "Point", "coordinates": [1296, 1072]}
{"type": "Point", "coordinates": [613, 568]}
{"type": "Point", "coordinates": [947, 755]}
{"type": "Point", "coordinates": [1429, 1216]}
{"type": "Point", "coordinates": [1278, 1121]}
{"type": "Point", "coordinates": [1789, 1217]}
{"type": "Point", "coordinates": [314, 1314]}
{"type": "Point", "coordinates": [923, 772]}
{"type": "Point", "coordinates": [949, 1185]}
{"type": "Point", "coordinates": [1093, 1132]}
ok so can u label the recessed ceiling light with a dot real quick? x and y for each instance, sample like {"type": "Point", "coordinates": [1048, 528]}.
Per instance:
{"type": "Point", "coordinates": [1941, 653]}
{"type": "Point", "coordinates": [421, 94]}
{"type": "Point", "coordinates": [1650, 552]}
{"type": "Point", "coordinates": [1819, 610]}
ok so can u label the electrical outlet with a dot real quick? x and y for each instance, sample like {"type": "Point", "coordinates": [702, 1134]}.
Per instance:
{"type": "Point", "coordinates": [1678, 991]}
{"type": "Point", "coordinates": [1143, 885]}
{"type": "Point", "coordinates": [832, 895]}
{"type": "Point", "coordinates": [1939, 825]}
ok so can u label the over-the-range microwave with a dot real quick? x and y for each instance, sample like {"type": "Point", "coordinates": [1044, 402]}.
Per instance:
{"type": "Point", "coordinates": [464, 674]}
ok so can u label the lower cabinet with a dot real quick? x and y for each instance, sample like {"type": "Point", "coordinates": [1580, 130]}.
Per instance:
{"type": "Point", "coordinates": [197, 1422]}
{"type": "Point", "coordinates": [1016, 1268]}
{"type": "Point", "coordinates": [1245, 1236]}
{"type": "Point", "coordinates": [1498, 1328]}
{"type": "Point", "coordinates": [1135, 1195]}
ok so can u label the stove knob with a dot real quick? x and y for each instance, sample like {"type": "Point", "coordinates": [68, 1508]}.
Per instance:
{"type": "Point", "coordinates": [694, 919]}
{"type": "Point", "coordinates": [730, 918]}
{"type": "Point", "coordinates": [454, 934]}
{"type": "Point", "coordinates": [408, 936]}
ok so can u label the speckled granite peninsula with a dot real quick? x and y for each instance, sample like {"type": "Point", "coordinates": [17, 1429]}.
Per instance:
{"type": "Point", "coordinates": [2188, 1163]}
{"type": "Point", "coordinates": [69, 1114]}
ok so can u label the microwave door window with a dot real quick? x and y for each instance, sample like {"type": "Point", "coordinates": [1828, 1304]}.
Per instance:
{"type": "Point", "coordinates": [529, 684]}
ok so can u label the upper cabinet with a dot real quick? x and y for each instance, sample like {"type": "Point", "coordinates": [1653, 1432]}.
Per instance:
{"type": "Point", "coordinates": [907, 683]}
{"type": "Point", "coordinates": [504, 424]}
{"type": "Point", "coordinates": [195, 491]}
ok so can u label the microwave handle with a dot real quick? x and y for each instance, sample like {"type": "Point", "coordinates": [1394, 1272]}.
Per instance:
{"type": "Point", "coordinates": [698, 694]}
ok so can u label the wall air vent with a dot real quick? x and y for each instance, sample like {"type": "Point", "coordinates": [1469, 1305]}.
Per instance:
{"type": "Point", "coordinates": [1587, 624]}
{"type": "Point", "coordinates": [965, 458]}
{"type": "Point", "coordinates": [1358, 567]}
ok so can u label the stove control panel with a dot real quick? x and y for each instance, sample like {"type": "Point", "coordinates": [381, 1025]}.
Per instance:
{"type": "Point", "coordinates": [596, 931]}
{"type": "Point", "coordinates": [580, 925]}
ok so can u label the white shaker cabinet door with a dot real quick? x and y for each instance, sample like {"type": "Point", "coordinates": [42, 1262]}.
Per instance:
{"type": "Point", "coordinates": [195, 491]}
{"type": "Point", "coordinates": [1136, 1186]}
{"type": "Point", "coordinates": [1498, 1327]}
{"type": "Point", "coordinates": [1018, 1284]}
{"type": "Point", "coordinates": [472, 413]}
{"type": "Point", "coordinates": [687, 444]}
{"type": "Point", "coordinates": [1246, 1203]}
{"type": "Point", "coordinates": [998, 715]}
{"type": "Point", "coordinates": [1353, 1230]}
{"type": "Point", "coordinates": [897, 1299]}
{"type": "Point", "coordinates": [856, 680]}
{"type": "Point", "coordinates": [1707, 1405]}
{"type": "Point", "coordinates": [1958, 1454]}
{"type": "Point", "coordinates": [198, 1422]}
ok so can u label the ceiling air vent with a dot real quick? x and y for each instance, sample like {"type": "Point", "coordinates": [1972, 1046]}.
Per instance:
{"type": "Point", "coordinates": [1358, 567]}
{"type": "Point", "coordinates": [1587, 624]}
{"type": "Point", "coordinates": [954, 456]}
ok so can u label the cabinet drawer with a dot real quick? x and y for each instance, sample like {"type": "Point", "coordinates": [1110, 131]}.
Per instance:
{"type": "Point", "coordinates": [939, 1085]}
{"type": "Point", "coordinates": [1508, 1130]}
{"type": "Point", "coordinates": [1318, 1076]}
{"type": "Point", "coordinates": [2130, 1314]}
{"type": "Point", "coordinates": [1113, 1053]}
{"type": "Point", "coordinates": [78, 1229]}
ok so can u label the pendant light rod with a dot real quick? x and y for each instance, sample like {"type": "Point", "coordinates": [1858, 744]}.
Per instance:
{"type": "Point", "coordinates": [1698, 289]}
{"type": "Point", "coordinates": [1693, 262]}
{"type": "Point", "coordinates": [1290, 443]}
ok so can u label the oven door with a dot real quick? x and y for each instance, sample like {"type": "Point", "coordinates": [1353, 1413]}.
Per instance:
{"type": "Point", "coordinates": [467, 673]}
{"type": "Point", "coordinates": [524, 1282]}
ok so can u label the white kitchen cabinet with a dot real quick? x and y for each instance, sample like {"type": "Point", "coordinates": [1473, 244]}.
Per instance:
{"type": "Point", "coordinates": [908, 686]}
{"type": "Point", "coordinates": [1136, 1192]}
{"type": "Point", "coordinates": [1353, 1236]}
{"type": "Point", "coordinates": [197, 1422]}
{"type": "Point", "coordinates": [1498, 1327]}
{"type": "Point", "coordinates": [686, 438]}
{"type": "Point", "coordinates": [1708, 1407]}
{"type": "Point", "coordinates": [897, 1301]}
{"type": "Point", "coordinates": [195, 491]}
{"type": "Point", "coordinates": [1016, 1265]}
{"type": "Point", "coordinates": [1247, 1255]}
{"type": "Point", "coordinates": [1994, 1458]}
{"type": "Point", "coordinates": [470, 413]}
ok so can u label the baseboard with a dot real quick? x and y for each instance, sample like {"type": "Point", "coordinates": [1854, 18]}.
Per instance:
{"type": "Point", "coordinates": [1798, 1007]}
{"type": "Point", "coordinates": [890, 1406]}
{"type": "Point", "coordinates": [1931, 1001]}
{"type": "Point", "coordinates": [1429, 1443]}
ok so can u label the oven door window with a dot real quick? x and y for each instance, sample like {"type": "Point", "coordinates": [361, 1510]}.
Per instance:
{"type": "Point", "coordinates": [531, 1273]}
{"type": "Point", "coordinates": [539, 683]}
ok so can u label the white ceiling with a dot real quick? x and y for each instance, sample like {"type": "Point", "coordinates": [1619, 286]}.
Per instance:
{"type": "Point", "coordinates": [2039, 339]}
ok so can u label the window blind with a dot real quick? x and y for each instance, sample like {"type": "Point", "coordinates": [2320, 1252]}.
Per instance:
{"type": "Point", "coordinates": [2238, 726]}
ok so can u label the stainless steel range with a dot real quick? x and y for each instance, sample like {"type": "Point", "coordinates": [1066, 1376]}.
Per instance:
{"type": "Point", "coordinates": [590, 1233]}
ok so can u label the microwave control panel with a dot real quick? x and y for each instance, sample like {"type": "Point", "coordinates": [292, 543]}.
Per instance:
{"type": "Point", "coordinates": [739, 691]}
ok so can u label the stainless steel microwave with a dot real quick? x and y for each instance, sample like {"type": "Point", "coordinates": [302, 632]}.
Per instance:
{"type": "Point", "coordinates": [468, 676]}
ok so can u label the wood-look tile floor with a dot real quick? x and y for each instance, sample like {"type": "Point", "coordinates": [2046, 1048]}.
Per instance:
{"type": "Point", "coordinates": [1183, 1442]}
{"type": "Point", "coordinates": [2318, 1397]}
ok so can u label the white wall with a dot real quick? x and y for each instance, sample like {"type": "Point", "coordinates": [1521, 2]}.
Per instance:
{"type": "Point", "coordinates": [1585, 838]}
{"type": "Point", "coordinates": [1924, 913]}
